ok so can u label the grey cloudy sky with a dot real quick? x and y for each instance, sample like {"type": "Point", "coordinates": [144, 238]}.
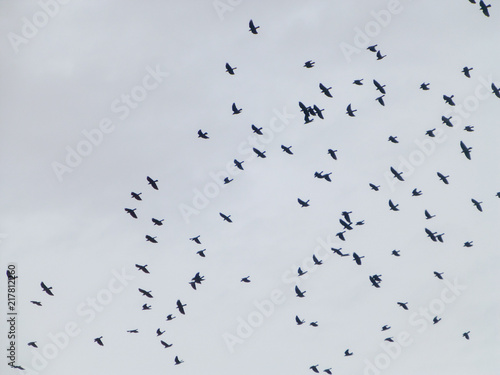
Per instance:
{"type": "Point", "coordinates": [140, 79]}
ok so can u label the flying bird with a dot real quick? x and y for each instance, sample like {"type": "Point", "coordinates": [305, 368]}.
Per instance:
{"type": "Point", "coordinates": [318, 112]}
{"type": "Point", "coordinates": [484, 8]}
{"type": "Point", "coordinates": [347, 353]}
{"type": "Point", "coordinates": [300, 272]}
{"type": "Point", "coordinates": [337, 251]}
{"type": "Point", "coordinates": [176, 359]}
{"type": "Point", "coordinates": [430, 133]}
{"type": "Point", "coordinates": [468, 244]}
{"type": "Point", "coordinates": [227, 180]}
{"type": "Point", "coordinates": [235, 109]}
{"type": "Point", "coordinates": [477, 204]}
{"type": "Point", "coordinates": [131, 212]}
{"type": "Point", "coordinates": [151, 239]}
{"type": "Point", "coordinates": [256, 130]}
{"type": "Point", "coordinates": [350, 111]}
{"type": "Point", "coordinates": [466, 71]}
{"type": "Point", "coordinates": [146, 293]}
{"type": "Point", "coordinates": [396, 253]}
{"type": "Point", "coordinates": [436, 320]}
{"type": "Point", "coordinates": [136, 196]}
{"type": "Point", "coordinates": [316, 261]}
{"type": "Point", "coordinates": [225, 217]}
{"type": "Point", "coordinates": [345, 225]}
{"type": "Point", "coordinates": [380, 56]}
{"type": "Point", "coordinates": [238, 164]}
{"type": "Point", "coordinates": [443, 178]}
{"type": "Point", "coordinates": [446, 121]}
{"type": "Point", "coordinates": [260, 154]}
{"type": "Point", "coordinates": [132, 331]}
{"type": "Point", "coordinates": [287, 149]}
{"type": "Point", "coordinates": [404, 305]}
{"type": "Point", "coordinates": [157, 222]}
{"type": "Point", "coordinates": [469, 128]}
{"type": "Point", "coordinates": [390, 339]}
{"type": "Point", "coordinates": [245, 279]}
{"type": "Point", "coordinates": [358, 82]}
{"type": "Point", "coordinates": [357, 258]}
{"type": "Point", "coordinates": [428, 215]}
{"type": "Point", "coordinates": [385, 328]}
{"type": "Point", "coordinates": [309, 64]}
{"type": "Point", "coordinates": [159, 332]}
{"type": "Point", "coordinates": [380, 99]}
{"type": "Point", "coordinates": [341, 235]}
{"type": "Point", "coordinates": [431, 234]}
{"type": "Point", "coordinates": [440, 237]}
{"type": "Point", "coordinates": [196, 239]}
{"type": "Point", "coordinates": [152, 182]}
{"type": "Point", "coordinates": [346, 216]}
{"type": "Point", "coordinates": [253, 28]}
{"type": "Point", "coordinates": [465, 150]}
{"type": "Point", "coordinates": [99, 341]}
{"type": "Point", "coordinates": [374, 187]}
{"type": "Point", "coordinates": [170, 317]}
{"type": "Point", "coordinates": [374, 282]}
{"type": "Point", "coordinates": [202, 134]}
{"type": "Point", "coordinates": [36, 303]}
{"type": "Point", "coordinates": [393, 139]}
{"type": "Point", "coordinates": [393, 207]}
{"type": "Point", "coordinates": [332, 153]}
{"type": "Point", "coordinates": [300, 294]}
{"type": "Point", "coordinates": [449, 99]}
{"type": "Point", "coordinates": [201, 253]}
{"type": "Point", "coordinates": [416, 193]}
{"type": "Point", "coordinates": [181, 306]}
{"type": "Point", "coordinates": [496, 90]}
{"type": "Point", "coordinates": [379, 86]}
{"type": "Point", "coordinates": [33, 344]}
{"type": "Point", "coordinates": [230, 69]}
{"type": "Point", "coordinates": [315, 368]}
{"type": "Point", "coordinates": [397, 174]}
{"type": "Point", "coordinates": [438, 275]}
{"type": "Point", "coordinates": [165, 345]}
{"type": "Point", "coordinates": [325, 90]}
{"type": "Point", "coordinates": [142, 268]}
{"type": "Point", "coordinates": [372, 48]}
{"type": "Point", "coordinates": [302, 203]}
{"type": "Point", "coordinates": [466, 335]}
{"type": "Point", "coordinates": [46, 289]}
{"type": "Point", "coordinates": [424, 86]}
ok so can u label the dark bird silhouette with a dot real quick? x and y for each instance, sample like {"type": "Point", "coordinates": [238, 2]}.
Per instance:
{"type": "Point", "coordinates": [346, 216]}
{"type": "Point", "coordinates": [170, 317]}
{"type": "Point", "coordinates": [181, 306]}
{"type": "Point", "coordinates": [440, 237]}
{"type": "Point", "coordinates": [299, 321]}
{"type": "Point", "coordinates": [300, 294]}
{"type": "Point", "coordinates": [131, 212]}
{"type": "Point", "coordinates": [466, 335]}
{"type": "Point", "coordinates": [404, 305]}
{"type": "Point", "coordinates": [165, 345]}
{"type": "Point", "coordinates": [315, 368]}
{"type": "Point", "coordinates": [309, 64]}
{"type": "Point", "coordinates": [196, 239]}
{"type": "Point", "coordinates": [377, 278]}
{"type": "Point", "coordinates": [477, 204]}
{"type": "Point", "coordinates": [300, 272]}
{"type": "Point", "coordinates": [431, 234]}
{"type": "Point", "coordinates": [469, 128]}
{"type": "Point", "coordinates": [316, 261]}
{"type": "Point", "coordinates": [484, 8]}
{"type": "Point", "coordinates": [397, 174]}
{"type": "Point", "coordinates": [227, 180]}
{"type": "Point", "coordinates": [438, 275]}
{"type": "Point", "coordinates": [132, 331]}
{"type": "Point", "coordinates": [390, 339]}
{"type": "Point", "coordinates": [416, 193]}
{"type": "Point", "coordinates": [347, 353]}
{"type": "Point", "coordinates": [253, 28]}
{"type": "Point", "coordinates": [235, 109]}
{"type": "Point", "coordinates": [193, 284]}
{"type": "Point", "coordinates": [245, 279]}
{"type": "Point", "coordinates": [449, 100]}
{"type": "Point", "coordinates": [468, 244]}
{"type": "Point", "coordinates": [260, 154]}
{"type": "Point", "coordinates": [396, 253]}
{"type": "Point", "coordinates": [443, 178]}
{"type": "Point", "coordinates": [17, 367]}
{"type": "Point", "coordinates": [304, 109]}
{"type": "Point", "coordinates": [230, 69]}
{"type": "Point", "coordinates": [157, 222]}
{"type": "Point", "coordinates": [99, 341]}
{"type": "Point", "coordinates": [393, 207]}
{"type": "Point", "coordinates": [374, 282]}
{"type": "Point", "coordinates": [465, 150]}
{"type": "Point", "coordinates": [379, 86]}
{"type": "Point", "coordinates": [361, 222]}
{"type": "Point", "coordinates": [202, 134]}
{"type": "Point", "coordinates": [151, 239]}
{"type": "Point", "coordinates": [357, 258]}
{"type": "Point", "coordinates": [33, 344]}
{"type": "Point", "coordinates": [146, 293]}
{"type": "Point", "coordinates": [393, 139]}
{"type": "Point", "coordinates": [307, 119]}
{"type": "Point", "coordinates": [380, 99]}
{"type": "Point", "coordinates": [176, 359]}
{"type": "Point", "coordinates": [256, 130]}
{"type": "Point", "coordinates": [496, 90]}
{"type": "Point", "coordinates": [424, 86]}
{"type": "Point", "coordinates": [358, 82]}
{"type": "Point", "coordinates": [328, 371]}
{"type": "Point", "coordinates": [345, 225]}
{"type": "Point", "coordinates": [341, 235]}
{"type": "Point", "coordinates": [46, 289]}
{"type": "Point", "coordinates": [152, 182]}
{"type": "Point", "coordinates": [385, 328]}
{"type": "Point", "coordinates": [466, 71]}
{"type": "Point", "coordinates": [446, 121]}
{"type": "Point", "coordinates": [142, 268]}
{"type": "Point", "coordinates": [430, 133]}
{"type": "Point", "coordinates": [350, 111]}
{"type": "Point", "coordinates": [380, 56]}
{"type": "Point", "coordinates": [136, 196]}
{"type": "Point", "coordinates": [372, 48]}
{"type": "Point", "coordinates": [302, 203]}
{"type": "Point", "coordinates": [332, 153]}
{"type": "Point", "coordinates": [238, 164]}
{"type": "Point", "coordinates": [313, 324]}
{"type": "Point", "coordinates": [436, 320]}
{"type": "Point", "coordinates": [337, 251]}
{"type": "Point", "coordinates": [472, 1]}
{"type": "Point", "coordinates": [287, 149]}
{"type": "Point", "coordinates": [325, 90]}
{"type": "Point", "coordinates": [374, 187]}
{"type": "Point", "coordinates": [428, 215]}
{"type": "Point", "coordinates": [36, 303]}
{"type": "Point", "coordinates": [159, 332]}
{"type": "Point", "coordinates": [225, 217]}
{"type": "Point", "coordinates": [201, 253]}
{"type": "Point", "coordinates": [318, 112]}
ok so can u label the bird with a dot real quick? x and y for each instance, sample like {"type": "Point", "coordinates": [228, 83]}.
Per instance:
{"type": "Point", "coordinates": [380, 99]}
{"type": "Point", "coordinates": [201, 253]}
{"type": "Point", "coordinates": [345, 225]}
{"type": "Point", "coordinates": [393, 139]}
{"type": "Point", "coordinates": [142, 268]}
{"type": "Point", "coordinates": [416, 193]}
{"type": "Point", "coordinates": [337, 251]}
{"type": "Point", "coordinates": [146, 293]}
{"type": "Point", "coordinates": [350, 111]}
{"type": "Point", "coordinates": [449, 99]}
{"type": "Point", "coordinates": [372, 48]}
{"type": "Point", "coordinates": [299, 293]}
{"type": "Point", "coordinates": [374, 187]}
{"type": "Point", "coordinates": [440, 237]}
{"type": "Point", "coordinates": [428, 215]}
{"type": "Point", "coordinates": [466, 335]}
{"type": "Point", "coordinates": [307, 120]}
{"type": "Point", "coordinates": [438, 275]}
{"type": "Point", "coordinates": [202, 134]}
{"type": "Point", "coordinates": [235, 109]}
{"type": "Point", "coordinates": [165, 345]}
{"type": "Point", "coordinates": [316, 261]}
{"type": "Point", "coordinates": [157, 222]}
{"type": "Point", "coordinates": [357, 258]}
{"type": "Point", "coordinates": [136, 196]}
{"type": "Point", "coordinates": [380, 56]}
{"type": "Point", "coordinates": [151, 239]}
{"type": "Point", "coordinates": [287, 149]}
{"type": "Point", "coordinates": [390, 339]}
{"type": "Point", "coordinates": [302, 203]}
{"type": "Point", "coordinates": [346, 216]}
{"type": "Point", "coordinates": [225, 217]}
{"type": "Point", "coordinates": [477, 204]}
{"type": "Point", "coordinates": [465, 150]}
{"type": "Point", "coordinates": [468, 244]}
{"type": "Point", "coordinates": [361, 222]}
{"type": "Point", "coordinates": [133, 331]}
{"type": "Point", "coordinates": [328, 371]}
{"type": "Point", "coordinates": [379, 87]}
{"type": "Point", "coordinates": [304, 109]}
{"type": "Point", "coordinates": [325, 90]}
{"type": "Point", "coordinates": [446, 121]}
{"type": "Point", "coordinates": [309, 64]}
{"type": "Point", "coordinates": [469, 128]}
{"type": "Point", "coordinates": [424, 86]}
{"type": "Point", "coordinates": [396, 253]}
{"type": "Point", "coordinates": [131, 212]}
{"type": "Point", "coordinates": [260, 154]}
{"type": "Point", "coordinates": [33, 344]}
{"type": "Point", "coordinates": [318, 112]}
{"type": "Point", "coordinates": [340, 235]}
{"type": "Point", "coordinates": [227, 180]}
{"type": "Point", "coordinates": [152, 182]}
{"type": "Point", "coordinates": [181, 306]}
{"type": "Point", "coordinates": [404, 305]}
{"type": "Point", "coordinates": [374, 282]}
{"type": "Point", "coordinates": [36, 303]}
{"type": "Point", "coordinates": [484, 8]}
{"type": "Point", "coordinates": [377, 278]}
{"type": "Point", "coordinates": [431, 234]}
{"type": "Point", "coordinates": [332, 153]}
{"type": "Point", "coordinates": [46, 289]}
{"type": "Point", "coordinates": [170, 317]}
{"type": "Point", "coordinates": [397, 174]}
{"type": "Point", "coordinates": [313, 324]}
{"type": "Point", "coordinates": [253, 28]}
{"type": "Point", "coordinates": [99, 340]}
{"type": "Point", "coordinates": [496, 90]}
{"type": "Point", "coordinates": [299, 321]}
{"type": "Point", "coordinates": [176, 359]}
{"type": "Point", "coordinates": [430, 133]}
{"type": "Point", "coordinates": [159, 332]}
{"type": "Point", "coordinates": [466, 71]}
{"type": "Point", "coordinates": [245, 279]}
{"type": "Point", "coordinates": [230, 69]}
{"type": "Point", "coordinates": [238, 164]}
{"type": "Point", "coordinates": [393, 207]}
{"type": "Point", "coordinates": [436, 320]}
{"type": "Point", "coordinates": [256, 130]}
{"type": "Point", "coordinates": [315, 368]}
{"type": "Point", "coordinates": [196, 239]}
{"type": "Point", "coordinates": [358, 82]}
{"type": "Point", "coordinates": [385, 328]}
{"type": "Point", "coordinates": [443, 178]}
{"type": "Point", "coordinates": [347, 353]}
{"type": "Point", "coordinates": [300, 272]}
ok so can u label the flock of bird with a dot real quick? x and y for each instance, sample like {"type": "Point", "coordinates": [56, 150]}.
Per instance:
{"type": "Point", "coordinates": [310, 113]}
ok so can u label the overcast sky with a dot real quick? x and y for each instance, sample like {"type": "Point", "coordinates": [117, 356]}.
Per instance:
{"type": "Point", "coordinates": [95, 96]}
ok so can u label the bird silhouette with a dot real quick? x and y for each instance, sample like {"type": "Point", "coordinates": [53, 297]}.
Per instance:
{"type": "Point", "coordinates": [142, 268]}
{"type": "Point", "coordinates": [446, 121]}
{"type": "Point", "coordinates": [299, 321]}
{"type": "Point", "coordinates": [176, 359]}
{"type": "Point", "coordinates": [316, 261]}
{"type": "Point", "coordinates": [380, 99]}
{"type": "Point", "coordinates": [416, 193]}
{"type": "Point", "coordinates": [345, 225]}
{"type": "Point", "coordinates": [385, 328]}
{"type": "Point", "coordinates": [131, 212]}
{"type": "Point", "coordinates": [227, 180]}
{"type": "Point", "coordinates": [465, 150]}
{"type": "Point", "coordinates": [466, 335]}
{"type": "Point", "coordinates": [337, 251]}
{"type": "Point", "coordinates": [165, 345]}
{"type": "Point", "coordinates": [496, 90]}
{"type": "Point", "coordinates": [346, 216]}
{"type": "Point", "coordinates": [99, 340]}
{"type": "Point", "coordinates": [170, 317]}
{"type": "Point", "coordinates": [328, 371]}
{"type": "Point", "coordinates": [358, 82]}
{"type": "Point", "coordinates": [361, 222]}
{"type": "Point", "coordinates": [374, 282]}
{"type": "Point", "coordinates": [287, 149]}
{"type": "Point", "coordinates": [431, 234]}
{"type": "Point", "coordinates": [397, 174]}
{"type": "Point", "coordinates": [181, 306]}
{"type": "Point", "coordinates": [313, 324]}
{"type": "Point", "coordinates": [390, 339]}
{"type": "Point", "coordinates": [299, 293]}
{"type": "Point", "coordinates": [256, 130]}
{"type": "Point", "coordinates": [443, 178]}
{"type": "Point", "coordinates": [393, 139]}
{"type": "Point", "coordinates": [380, 56]}
{"type": "Point", "coordinates": [300, 272]}
{"type": "Point", "coordinates": [260, 154]}
{"type": "Point", "coordinates": [396, 253]}
{"type": "Point", "coordinates": [238, 164]}
{"type": "Point", "coordinates": [235, 109]}
{"type": "Point", "coordinates": [196, 239]}
{"type": "Point", "coordinates": [430, 133]}
{"type": "Point", "coordinates": [302, 203]}
{"type": "Point", "coordinates": [468, 244]}
{"type": "Point", "coordinates": [477, 204]}
{"type": "Point", "coordinates": [152, 182]}
{"type": "Point", "coordinates": [309, 64]}
{"type": "Point", "coordinates": [203, 135]}
{"type": "Point", "coordinates": [393, 207]}
{"type": "Point", "coordinates": [136, 196]}
{"type": "Point", "coordinates": [340, 235]}
{"type": "Point", "coordinates": [151, 239]}
{"type": "Point", "coordinates": [33, 344]}
{"type": "Point", "coordinates": [357, 258]}
{"type": "Point", "coordinates": [46, 289]}
{"type": "Point", "coordinates": [325, 90]}
{"type": "Point", "coordinates": [484, 8]}
{"type": "Point", "coordinates": [157, 222]}
{"type": "Point", "coordinates": [436, 320]}
{"type": "Point", "coordinates": [428, 215]}
{"type": "Point", "coordinates": [318, 112]}
{"type": "Point", "coordinates": [146, 293]}
{"type": "Point", "coordinates": [38, 303]}
{"type": "Point", "coordinates": [372, 48]}
{"type": "Point", "coordinates": [469, 128]}
{"type": "Point", "coordinates": [404, 305]}
{"type": "Point", "coordinates": [424, 86]}
{"type": "Point", "coordinates": [201, 253]}
{"type": "Point", "coordinates": [315, 368]}
{"type": "Point", "coordinates": [379, 87]}
{"type": "Point", "coordinates": [245, 279]}
{"type": "Point", "coordinates": [350, 111]}
{"type": "Point", "coordinates": [347, 353]}
{"type": "Point", "coordinates": [133, 331]}
{"type": "Point", "coordinates": [159, 332]}
{"type": "Point", "coordinates": [332, 153]}
{"type": "Point", "coordinates": [438, 275]}
{"type": "Point", "coordinates": [230, 69]}
{"type": "Point", "coordinates": [449, 99]}
{"type": "Point", "coordinates": [439, 237]}
{"type": "Point", "coordinates": [225, 217]}
{"type": "Point", "coordinates": [466, 71]}
{"type": "Point", "coordinates": [374, 187]}
{"type": "Point", "coordinates": [253, 28]}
